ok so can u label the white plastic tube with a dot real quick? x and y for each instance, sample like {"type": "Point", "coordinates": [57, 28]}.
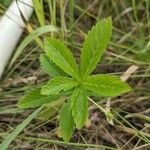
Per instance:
{"type": "Point", "coordinates": [11, 28]}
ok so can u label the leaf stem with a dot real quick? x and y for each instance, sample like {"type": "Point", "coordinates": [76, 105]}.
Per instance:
{"type": "Point", "coordinates": [107, 113]}
{"type": "Point", "coordinates": [69, 143]}
{"type": "Point", "coordinates": [101, 108]}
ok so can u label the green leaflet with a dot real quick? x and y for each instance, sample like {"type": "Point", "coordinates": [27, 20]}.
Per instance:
{"type": "Point", "coordinates": [49, 67]}
{"type": "Point", "coordinates": [94, 45]}
{"type": "Point", "coordinates": [61, 56]}
{"type": "Point", "coordinates": [79, 105]}
{"type": "Point", "coordinates": [33, 35]}
{"type": "Point", "coordinates": [105, 85]}
{"type": "Point", "coordinates": [58, 84]}
{"type": "Point", "coordinates": [66, 122]}
{"type": "Point", "coordinates": [35, 99]}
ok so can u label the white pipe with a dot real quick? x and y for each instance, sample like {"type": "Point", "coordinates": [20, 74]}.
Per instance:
{"type": "Point", "coordinates": [11, 28]}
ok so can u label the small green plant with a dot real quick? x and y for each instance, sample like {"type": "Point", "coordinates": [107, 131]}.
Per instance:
{"type": "Point", "coordinates": [74, 83]}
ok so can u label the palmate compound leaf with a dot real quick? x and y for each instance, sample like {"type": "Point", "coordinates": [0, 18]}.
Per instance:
{"type": "Point", "coordinates": [105, 85]}
{"type": "Point", "coordinates": [59, 54]}
{"type": "Point", "coordinates": [58, 84]}
{"type": "Point", "coordinates": [35, 99]}
{"type": "Point", "coordinates": [95, 43]}
{"type": "Point", "coordinates": [79, 106]}
{"type": "Point", "coordinates": [50, 68]}
{"type": "Point", "coordinates": [66, 122]}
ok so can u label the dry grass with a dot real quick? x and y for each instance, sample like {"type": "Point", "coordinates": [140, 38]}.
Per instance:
{"type": "Point", "coordinates": [131, 34]}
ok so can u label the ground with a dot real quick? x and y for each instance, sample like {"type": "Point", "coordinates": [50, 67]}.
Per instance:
{"type": "Point", "coordinates": [129, 46]}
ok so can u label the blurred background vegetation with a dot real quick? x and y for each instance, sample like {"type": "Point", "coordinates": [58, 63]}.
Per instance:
{"type": "Point", "coordinates": [130, 45]}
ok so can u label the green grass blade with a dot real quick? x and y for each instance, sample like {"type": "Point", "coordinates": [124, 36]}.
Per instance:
{"type": "Point", "coordinates": [62, 14]}
{"type": "Point", "coordinates": [30, 38]}
{"type": "Point", "coordinates": [71, 20]}
{"type": "Point", "coordinates": [18, 129]}
{"type": "Point", "coordinates": [39, 11]}
{"type": "Point", "coordinates": [52, 9]}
